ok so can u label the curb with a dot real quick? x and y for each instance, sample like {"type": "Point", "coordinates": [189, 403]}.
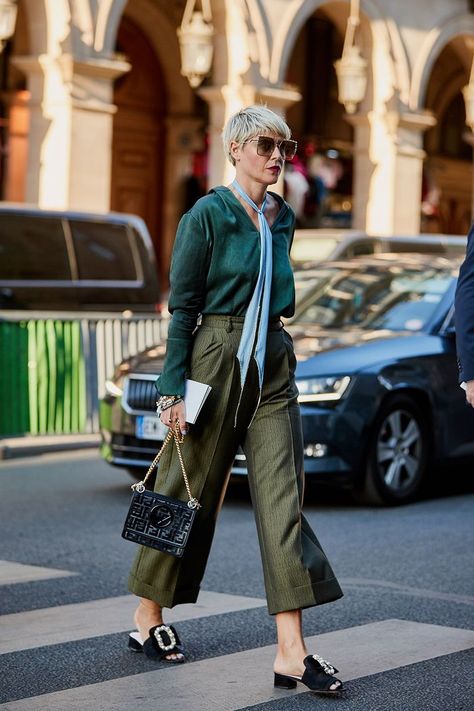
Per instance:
{"type": "Point", "coordinates": [31, 446]}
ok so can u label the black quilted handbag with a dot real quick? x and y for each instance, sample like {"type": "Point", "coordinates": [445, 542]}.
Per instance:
{"type": "Point", "coordinates": [158, 521]}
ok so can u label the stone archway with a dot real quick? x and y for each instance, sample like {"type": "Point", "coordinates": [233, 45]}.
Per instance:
{"type": "Point", "coordinates": [430, 50]}
{"type": "Point", "coordinates": [108, 19]}
{"type": "Point", "coordinates": [14, 111]}
{"type": "Point", "coordinates": [387, 143]}
{"type": "Point", "coordinates": [441, 70]}
{"type": "Point", "coordinates": [138, 145]}
{"type": "Point", "coordinates": [384, 38]}
{"type": "Point", "coordinates": [325, 138]}
{"type": "Point", "coordinates": [159, 123]}
{"type": "Point", "coordinates": [448, 171]}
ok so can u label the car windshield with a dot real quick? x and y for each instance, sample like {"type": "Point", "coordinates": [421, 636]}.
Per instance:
{"type": "Point", "coordinates": [313, 248]}
{"type": "Point", "coordinates": [306, 281]}
{"type": "Point", "coordinates": [382, 296]}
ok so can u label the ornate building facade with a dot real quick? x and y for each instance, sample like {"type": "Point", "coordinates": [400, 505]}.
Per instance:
{"type": "Point", "coordinates": [95, 114]}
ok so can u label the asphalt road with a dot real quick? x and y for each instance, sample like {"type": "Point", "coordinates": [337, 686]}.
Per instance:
{"type": "Point", "coordinates": [62, 514]}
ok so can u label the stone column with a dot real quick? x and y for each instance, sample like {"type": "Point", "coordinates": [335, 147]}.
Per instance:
{"type": "Point", "coordinates": [71, 113]}
{"type": "Point", "coordinates": [223, 102]}
{"type": "Point", "coordinates": [388, 165]}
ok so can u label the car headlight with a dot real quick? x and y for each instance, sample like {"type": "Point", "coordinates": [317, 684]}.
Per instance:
{"type": "Point", "coordinates": [320, 389]}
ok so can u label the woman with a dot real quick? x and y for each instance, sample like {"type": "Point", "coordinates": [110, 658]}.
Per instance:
{"type": "Point", "coordinates": [231, 265]}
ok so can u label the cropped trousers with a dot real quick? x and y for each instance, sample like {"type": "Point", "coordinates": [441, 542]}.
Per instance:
{"type": "Point", "coordinates": [296, 571]}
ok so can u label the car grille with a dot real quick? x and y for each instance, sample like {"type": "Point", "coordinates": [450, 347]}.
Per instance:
{"type": "Point", "coordinates": [133, 448]}
{"type": "Point", "coordinates": [140, 394]}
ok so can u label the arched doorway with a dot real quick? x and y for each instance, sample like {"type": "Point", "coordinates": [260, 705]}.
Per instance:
{"type": "Point", "coordinates": [14, 114]}
{"type": "Point", "coordinates": [447, 178]}
{"type": "Point", "coordinates": [138, 148]}
{"type": "Point", "coordinates": [325, 138]}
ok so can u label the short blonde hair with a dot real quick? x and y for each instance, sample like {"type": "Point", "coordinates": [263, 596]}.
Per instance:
{"type": "Point", "coordinates": [250, 122]}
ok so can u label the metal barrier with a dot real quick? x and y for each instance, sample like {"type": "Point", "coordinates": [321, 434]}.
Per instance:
{"type": "Point", "coordinates": [53, 365]}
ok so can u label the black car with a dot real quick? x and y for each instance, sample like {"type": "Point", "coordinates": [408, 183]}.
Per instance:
{"type": "Point", "coordinates": [376, 373]}
{"type": "Point", "coordinates": [76, 261]}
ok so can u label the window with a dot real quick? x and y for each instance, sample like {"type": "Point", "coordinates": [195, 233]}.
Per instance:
{"type": "Point", "coordinates": [32, 248]}
{"type": "Point", "coordinates": [103, 251]}
{"type": "Point", "coordinates": [394, 297]}
{"type": "Point", "coordinates": [363, 247]}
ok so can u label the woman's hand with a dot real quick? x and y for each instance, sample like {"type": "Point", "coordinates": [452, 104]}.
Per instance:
{"type": "Point", "coordinates": [470, 392]}
{"type": "Point", "coordinates": [177, 412]}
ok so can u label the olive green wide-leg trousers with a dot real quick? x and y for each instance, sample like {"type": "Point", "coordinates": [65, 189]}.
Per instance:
{"type": "Point", "coordinates": [297, 573]}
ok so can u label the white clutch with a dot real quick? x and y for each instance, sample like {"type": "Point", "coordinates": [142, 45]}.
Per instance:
{"type": "Point", "coordinates": [195, 396]}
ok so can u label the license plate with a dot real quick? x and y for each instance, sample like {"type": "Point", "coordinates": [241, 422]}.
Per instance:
{"type": "Point", "coordinates": [150, 427]}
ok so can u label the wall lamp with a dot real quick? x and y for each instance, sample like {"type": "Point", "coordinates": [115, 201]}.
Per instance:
{"type": "Point", "coordinates": [195, 40]}
{"type": "Point", "coordinates": [351, 68]}
{"type": "Point", "coordinates": [8, 11]}
{"type": "Point", "coordinates": [468, 93]}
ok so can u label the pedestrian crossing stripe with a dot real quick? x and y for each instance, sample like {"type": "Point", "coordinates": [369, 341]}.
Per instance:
{"type": "Point", "coordinates": [12, 573]}
{"type": "Point", "coordinates": [68, 623]}
{"type": "Point", "coordinates": [216, 684]}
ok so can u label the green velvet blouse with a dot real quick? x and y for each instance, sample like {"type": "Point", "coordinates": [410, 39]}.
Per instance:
{"type": "Point", "coordinates": [214, 269]}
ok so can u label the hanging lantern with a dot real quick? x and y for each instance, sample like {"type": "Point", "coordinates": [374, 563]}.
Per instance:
{"type": "Point", "coordinates": [8, 11]}
{"type": "Point", "coordinates": [351, 71]}
{"type": "Point", "coordinates": [196, 42]}
{"type": "Point", "coordinates": [351, 68]}
{"type": "Point", "coordinates": [468, 93]}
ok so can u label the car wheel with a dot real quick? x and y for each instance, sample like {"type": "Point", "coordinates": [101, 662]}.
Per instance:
{"type": "Point", "coordinates": [397, 455]}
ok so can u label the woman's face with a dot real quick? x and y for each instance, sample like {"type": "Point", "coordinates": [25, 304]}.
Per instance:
{"type": "Point", "coordinates": [250, 165]}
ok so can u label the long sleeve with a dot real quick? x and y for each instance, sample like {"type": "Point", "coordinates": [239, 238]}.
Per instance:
{"type": "Point", "coordinates": [189, 268]}
{"type": "Point", "coordinates": [464, 313]}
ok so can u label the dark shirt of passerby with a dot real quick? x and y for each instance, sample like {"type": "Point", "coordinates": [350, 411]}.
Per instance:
{"type": "Point", "coordinates": [193, 190]}
{"type": "Point", "coordinates": [464, 319]}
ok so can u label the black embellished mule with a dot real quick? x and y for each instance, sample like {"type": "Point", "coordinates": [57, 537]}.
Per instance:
{"type": "Point", "coordinates": [318, 677]}
{"type": "Point", "coordinates": [162, 642]}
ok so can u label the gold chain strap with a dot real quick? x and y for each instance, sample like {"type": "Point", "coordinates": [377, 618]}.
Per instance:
{"type": "Point", "coordinates": [175, 434]}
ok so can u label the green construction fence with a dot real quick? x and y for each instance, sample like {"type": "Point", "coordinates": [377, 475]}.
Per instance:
{"type": "Point", "coordinates": [42, 378]}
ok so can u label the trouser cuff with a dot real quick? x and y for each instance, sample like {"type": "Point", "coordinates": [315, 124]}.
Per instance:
{"type": "Point", "coordinates": [310, 595]}
{"type": "Point", "coordinates": [164, 598]}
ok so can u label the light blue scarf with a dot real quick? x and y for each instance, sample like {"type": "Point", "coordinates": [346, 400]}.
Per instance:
{"type": "Point", "coordinates": [256, 319]}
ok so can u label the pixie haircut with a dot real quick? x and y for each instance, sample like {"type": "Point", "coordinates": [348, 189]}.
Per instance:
{"type": "Point", "coordinates": [250, 122]}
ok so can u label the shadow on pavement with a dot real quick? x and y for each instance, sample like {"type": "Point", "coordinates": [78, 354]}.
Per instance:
{"type": "Point", "coordinates": [453, 479]}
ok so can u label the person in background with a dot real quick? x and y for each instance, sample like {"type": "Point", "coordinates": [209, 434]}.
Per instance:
{"type": "Point", "coordinates": [464, 320]}
{"type": "Point", "coordinates": [195, 182]}
{"type": "Point", "coordinates": [316, 200]}
{"type": "Point", "coordinates": [296, 189]}
{"type": "Point", "coordinates": [231, 266]}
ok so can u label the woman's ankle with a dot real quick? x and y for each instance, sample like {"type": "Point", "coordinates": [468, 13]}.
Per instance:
{"type": "Point", "coordinates": [150, 605]}
{"type": "Point", "coordinates": [289, 657]}
{"type": "Point", "coordinates": [291, 644]}
{"type": "Point", "coordinates": [148, 614]}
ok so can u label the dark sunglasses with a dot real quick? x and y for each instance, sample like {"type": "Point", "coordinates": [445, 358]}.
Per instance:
{"type": "Point", "coordinates": [266, 146]}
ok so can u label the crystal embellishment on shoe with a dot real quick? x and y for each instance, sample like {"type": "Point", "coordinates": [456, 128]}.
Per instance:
{"type": "Point", "coordinates": [159, 638]}
{"type": "Point", "coordinates": [318, 677]}
{"type": "Point", "coordinates": [328, 668]}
